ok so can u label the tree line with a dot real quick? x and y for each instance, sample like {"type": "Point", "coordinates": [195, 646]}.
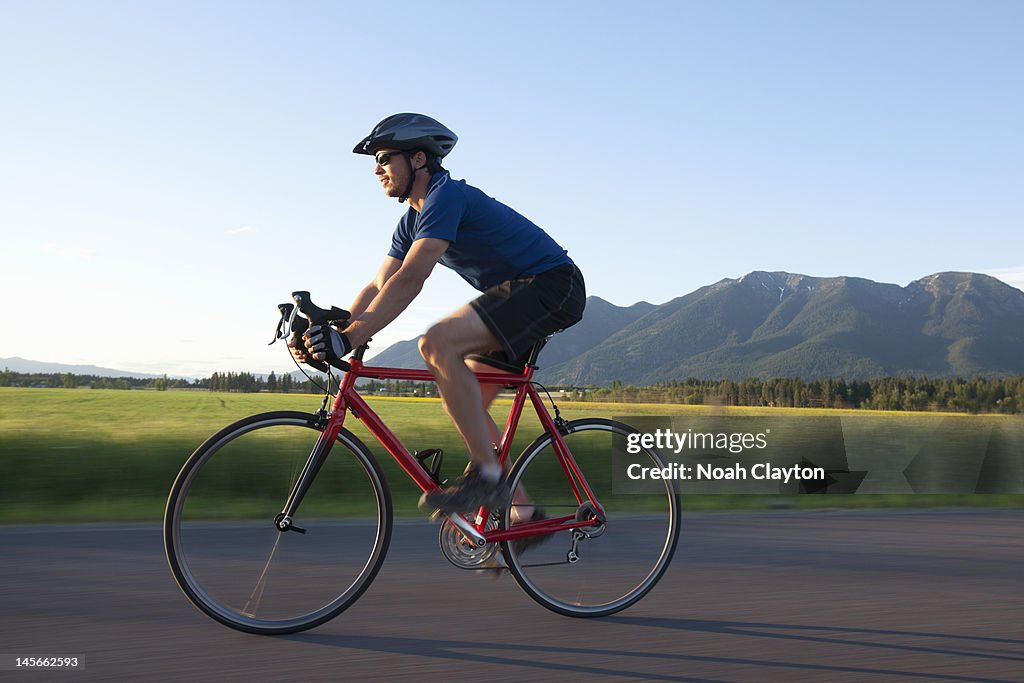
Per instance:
{"type": "Point", "coordinates": [976, 395]}
{"type": "Point", "coordinates": [242, 382]}
{"type": "Point", "coordinates": [67, 380]}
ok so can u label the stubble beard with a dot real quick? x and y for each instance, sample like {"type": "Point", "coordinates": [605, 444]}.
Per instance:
{"type": "Point", "coordinates": [395, 183]}
{"type": "Point", "coordinates": [390, 187]}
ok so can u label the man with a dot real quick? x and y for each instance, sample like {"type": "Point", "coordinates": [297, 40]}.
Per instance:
{"type": "Point", "coordinates": [530, 288]}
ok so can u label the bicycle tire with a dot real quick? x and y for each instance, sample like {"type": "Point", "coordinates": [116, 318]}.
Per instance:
{"type": "Point", "coordinates": [618, 566]}
{"type": "Point", "coordinates": [247, 574]}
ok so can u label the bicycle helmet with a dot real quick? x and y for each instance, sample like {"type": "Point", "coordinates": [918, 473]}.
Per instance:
{"type": "Point", "coordinates": [407, 132]}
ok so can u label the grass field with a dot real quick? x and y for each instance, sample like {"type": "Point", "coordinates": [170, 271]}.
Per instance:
{"type": "Point", "coordinates": [104, 455]}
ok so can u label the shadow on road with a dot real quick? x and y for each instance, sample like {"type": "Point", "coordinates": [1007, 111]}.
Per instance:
{"type": "Point", "coordinates": [567, 659]}
{"type": "Point", "coordinates": [801, 632]}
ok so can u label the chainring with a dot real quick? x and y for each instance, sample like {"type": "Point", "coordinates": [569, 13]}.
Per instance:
{"type": "Point", "coordinates": [461, 552]}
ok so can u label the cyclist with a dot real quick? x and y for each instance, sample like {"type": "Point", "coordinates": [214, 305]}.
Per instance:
{"type": "Point", "coordinates": [529, 288]}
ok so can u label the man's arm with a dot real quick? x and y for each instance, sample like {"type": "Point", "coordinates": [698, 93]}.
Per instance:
{"type": "Point", "coordinates": [397, 284]}
{"type": "Point", "coordinates": [370, 291]}
{"type": "Point", "coordinates": [388, 268]}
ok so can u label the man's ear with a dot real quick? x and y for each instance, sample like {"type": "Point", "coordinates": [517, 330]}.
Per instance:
{"type": "Point", "coordinates": [419, 160]}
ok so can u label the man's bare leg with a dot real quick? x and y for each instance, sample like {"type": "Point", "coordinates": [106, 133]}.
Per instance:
{"type": "Point", "coordinates": [444, 348]}
{"type": "Point", "coordinates": [522, 506]}
{"type": "Point", "coordinates": [488, 392]}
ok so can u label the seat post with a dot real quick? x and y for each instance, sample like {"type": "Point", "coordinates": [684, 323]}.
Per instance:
{"type": "Point", "coordinates": [535, 352]}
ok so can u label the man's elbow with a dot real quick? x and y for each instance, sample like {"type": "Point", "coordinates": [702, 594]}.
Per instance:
{"type": "Point", "coordinates": [408, 282]}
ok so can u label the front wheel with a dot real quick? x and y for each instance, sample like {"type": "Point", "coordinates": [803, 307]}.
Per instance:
{"type": "Point", "coordinates": [227, 554]}
{"type": "Point", "coordinates": [604, 568]}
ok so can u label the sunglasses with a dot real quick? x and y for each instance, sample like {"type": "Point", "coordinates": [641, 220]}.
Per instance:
{"type": "Point", "coordinates": [384, 158]}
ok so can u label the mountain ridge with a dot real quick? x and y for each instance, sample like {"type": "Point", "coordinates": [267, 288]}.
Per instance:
{"type": "Point", "coordinates": [767, 324]}
{"type": "Point", "coordinates": [778, 324]}
{"type": "Point", "coordinates": [775, 323]}
{"type": "Point", "coordinates": [28, 366]}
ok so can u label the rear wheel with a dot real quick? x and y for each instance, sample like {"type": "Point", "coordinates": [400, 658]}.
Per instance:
{"type": "Point", "coordinates": [227, 554]}
{"type": "Point", "coordinates": [606, 567]}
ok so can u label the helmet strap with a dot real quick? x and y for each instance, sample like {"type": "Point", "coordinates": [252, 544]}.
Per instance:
{"type": "Point", "coordinates": [412, 178]}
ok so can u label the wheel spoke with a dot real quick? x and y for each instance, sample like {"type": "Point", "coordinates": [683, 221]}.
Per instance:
{"type": "Point", "coordinates": [252, 604]}
{"type": "Point", "coordinates": [617, 562]}
{"type": "Point", "coordinates": [216, 526]}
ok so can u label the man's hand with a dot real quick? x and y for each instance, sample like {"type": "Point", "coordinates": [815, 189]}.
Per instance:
{"type": "Point", "coordinates": [295, 342]}
{"type": "Point", "coordinates": [298, 348]}
{"type": "Point", "coordinates": [327, 344]}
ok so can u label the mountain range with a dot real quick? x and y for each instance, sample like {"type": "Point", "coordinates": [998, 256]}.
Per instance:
{"type": "Point", "coordinates": [767, 324]}
{"type": "Point", "coordinates": [778, 324]}
{"type": "Point", "coordinates": [16, 364]}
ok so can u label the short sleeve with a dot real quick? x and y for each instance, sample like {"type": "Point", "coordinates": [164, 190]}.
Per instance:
{"type": "Point", "coordinates": [443, 211]}
{"type": "Point", "coordinates": [401, 240]}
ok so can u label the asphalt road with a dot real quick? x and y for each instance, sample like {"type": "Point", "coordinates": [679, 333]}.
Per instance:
{"type": "Point", "coordinates": [781, 596]}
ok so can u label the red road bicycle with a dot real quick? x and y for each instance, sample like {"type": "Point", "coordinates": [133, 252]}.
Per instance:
{"type": "Point", "coordinates": [241, 551]}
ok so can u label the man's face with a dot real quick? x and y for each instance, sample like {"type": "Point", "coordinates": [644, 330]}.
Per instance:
{"type": "Point", "coordinates": [392, 169]}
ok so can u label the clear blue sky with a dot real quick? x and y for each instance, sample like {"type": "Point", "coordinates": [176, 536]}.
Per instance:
{"type": "Point", "coordinates": [171, 171]}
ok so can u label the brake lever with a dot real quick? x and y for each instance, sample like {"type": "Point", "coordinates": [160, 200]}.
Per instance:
{"type": "Point", "coordinates": [284, 324]}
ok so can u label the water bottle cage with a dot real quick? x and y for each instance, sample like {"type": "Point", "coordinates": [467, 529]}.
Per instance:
{"type": "Point", "coordinates": [436, 456]}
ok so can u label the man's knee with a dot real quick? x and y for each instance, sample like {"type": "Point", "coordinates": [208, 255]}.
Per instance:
{"type": "Point", "coordinates": [433, 343]}
{"type": "Point", "coordinates": [455, 337]}
{"type": "Point", "coordinates": [426, 347]}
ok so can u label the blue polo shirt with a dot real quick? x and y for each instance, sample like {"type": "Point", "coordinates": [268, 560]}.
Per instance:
{"type": "Point", "coordinates": [489, 242]}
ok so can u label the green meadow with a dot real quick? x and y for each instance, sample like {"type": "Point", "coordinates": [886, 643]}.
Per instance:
{"type": "Point", "coordinates": [83, 455]}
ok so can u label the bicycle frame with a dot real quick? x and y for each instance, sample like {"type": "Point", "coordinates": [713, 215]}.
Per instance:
{"type": "Point", "coordinates": [349, 400]}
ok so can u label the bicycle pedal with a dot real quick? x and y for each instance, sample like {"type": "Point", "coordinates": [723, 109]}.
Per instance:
{"type": "Point", "coordinates": [494, 569]}
{"type": "Point", "coordinates": [493, 573]}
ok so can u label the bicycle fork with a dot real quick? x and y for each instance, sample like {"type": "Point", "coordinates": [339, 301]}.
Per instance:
{"type": "Point", "coordinates": [317, 457]}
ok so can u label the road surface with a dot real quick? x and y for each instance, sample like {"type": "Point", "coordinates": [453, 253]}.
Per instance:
{"type": "Point", "coordinates": [777, 596]}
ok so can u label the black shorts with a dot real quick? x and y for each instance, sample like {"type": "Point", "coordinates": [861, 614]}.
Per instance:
{"type": "Point", "coordinates": [524, 311]}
